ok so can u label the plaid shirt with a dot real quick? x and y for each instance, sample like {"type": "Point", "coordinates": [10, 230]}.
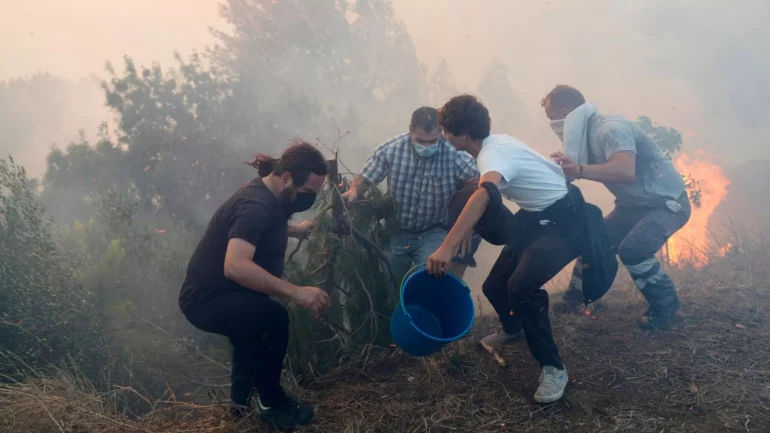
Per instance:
{"type": "Point", "coordinates": [420, 187]}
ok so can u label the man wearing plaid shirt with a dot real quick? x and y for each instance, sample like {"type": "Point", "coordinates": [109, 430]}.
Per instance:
{"type": "Point", "coordinates": [424, 172]}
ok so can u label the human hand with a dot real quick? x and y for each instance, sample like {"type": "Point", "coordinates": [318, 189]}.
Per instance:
{"type": "Point", "coordinates": [570, 168]}
{"type": "Point", "coordinates": [313, 299]}
{"type": "Point", "coordinates": [305, 228]}
{"type": "Point", "coordinates": [350, 195]}
{"type": "Point", "coordinates": [438, 262]}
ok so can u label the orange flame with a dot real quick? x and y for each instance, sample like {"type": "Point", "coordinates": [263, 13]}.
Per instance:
{"type": "Point", "coordinates": [725, 249]}
{"type": "Point", "coordinates": [693, 243]}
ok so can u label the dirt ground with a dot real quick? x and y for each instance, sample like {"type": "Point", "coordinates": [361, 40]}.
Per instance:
{"type": "Point", "coordinates": [709, 374]}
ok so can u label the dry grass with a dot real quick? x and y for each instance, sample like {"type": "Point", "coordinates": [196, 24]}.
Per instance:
{"type": "Point", "coordinates": [710, 373]}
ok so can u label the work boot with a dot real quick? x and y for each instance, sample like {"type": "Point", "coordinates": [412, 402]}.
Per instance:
{"type": "Point", "coordinates": [286, 413]}
{"type": "Point", "coordinates": [660, 319]}
{"type": "Point", "coordinates": [553, 381]}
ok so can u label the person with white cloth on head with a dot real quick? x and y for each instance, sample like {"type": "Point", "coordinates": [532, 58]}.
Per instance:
{"type": "Point", "coordinates": [651, 202]}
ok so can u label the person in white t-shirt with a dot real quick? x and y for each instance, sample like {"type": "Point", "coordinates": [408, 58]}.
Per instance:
{"type": "Point", "coordinates": [540, 239]}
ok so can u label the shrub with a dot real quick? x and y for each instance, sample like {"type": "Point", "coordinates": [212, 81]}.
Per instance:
{"type": "Point", "coordinates": [45, 315]}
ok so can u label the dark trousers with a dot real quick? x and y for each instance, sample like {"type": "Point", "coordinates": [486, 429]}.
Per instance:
{"type": "Point", "coordinates": [258, 329]}
{"type": "Point", "coordinates": [637, 234]}
{"type": "Point", "coordinates": [540, 249]}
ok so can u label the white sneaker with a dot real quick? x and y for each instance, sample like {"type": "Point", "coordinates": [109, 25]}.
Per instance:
{"type": "Point", "coordinates": [501, 338]}
{"type": "Point", "coordinates": [552, 384]}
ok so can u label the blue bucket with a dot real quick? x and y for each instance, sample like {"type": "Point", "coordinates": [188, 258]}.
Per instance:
{"type": "Point", "coordinates": [431, 313]}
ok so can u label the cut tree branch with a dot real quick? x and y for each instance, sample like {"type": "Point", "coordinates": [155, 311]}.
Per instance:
{"type": "Point", "coordinates": [375, 324]}
{"type": "Point", "coordinates": [377, 250]}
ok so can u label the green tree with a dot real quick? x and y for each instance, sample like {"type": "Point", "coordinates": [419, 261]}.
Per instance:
{"type": "Point", "coordinates": [73, 175]}
{"type": "Point", "coordinates": [175, 128]}
{"type": "Point", "coordinates": [670, 142]}
{"type": "Point", "coordinates": [46, 317]}
{"type": "Point", "coordinates": [311, 69]}
{"type": "Point", "coordinates": [322, 64]}
{"type": "Point", "coordinates": [669, 139]}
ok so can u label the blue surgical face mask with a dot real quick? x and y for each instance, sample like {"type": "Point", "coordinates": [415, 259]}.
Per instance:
{"type": "Point", "coordinates": [425, 151]}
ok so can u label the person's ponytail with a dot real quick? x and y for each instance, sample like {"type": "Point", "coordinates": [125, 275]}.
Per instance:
{"type": "Point", "coordinates": [264, 164]}
{"type": "Point", "coordinates": [300, 160]}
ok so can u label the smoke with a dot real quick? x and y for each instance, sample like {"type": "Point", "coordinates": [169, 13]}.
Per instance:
{"type": "Point", "coordinates": [700, 67]}
{"type": "Point", "coordinates": [42, 111]}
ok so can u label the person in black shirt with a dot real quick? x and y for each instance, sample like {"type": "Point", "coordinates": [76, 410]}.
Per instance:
{"type": "Point", "coordinates": [238, 266]}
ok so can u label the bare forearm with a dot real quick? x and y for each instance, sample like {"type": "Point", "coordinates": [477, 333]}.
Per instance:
{"type": "Point", "coordinates": [254, 277]}
{"type": "Point", "coordinates": [359, 185]}
{"type": "Point", "coordinates": [607, 173]}
{"type": "Point", "coordinates": [471, 214]}
{"type": "Point", "coordinates": [294, 231]}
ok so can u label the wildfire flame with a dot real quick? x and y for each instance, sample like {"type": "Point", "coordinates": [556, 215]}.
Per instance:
{"type": "Point", "coordinates": [693, 243]}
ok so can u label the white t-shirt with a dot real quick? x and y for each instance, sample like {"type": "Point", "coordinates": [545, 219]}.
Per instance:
{"type": "Point", "coordinates": [529, 179]}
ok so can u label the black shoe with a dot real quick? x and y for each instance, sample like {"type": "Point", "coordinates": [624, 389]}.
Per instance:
{"type": "Point", "coordinates": [660, 319]}
{"type": "Point", "coordinates": [286, 413]}
{"type": "Point", "coordinates": [239, 413]}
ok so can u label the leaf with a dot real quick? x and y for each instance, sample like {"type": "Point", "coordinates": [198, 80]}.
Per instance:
{"type": "Point", "coordinates": [693, 388]}
{"type": "Point", "coordinates": [739, 326]}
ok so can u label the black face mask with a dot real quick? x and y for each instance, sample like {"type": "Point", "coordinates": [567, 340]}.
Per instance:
{"type": "Point", "coordinates": [302, 202]}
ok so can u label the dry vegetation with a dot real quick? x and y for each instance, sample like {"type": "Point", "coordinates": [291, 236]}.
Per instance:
{"type": "Point", "coordinates": [710, 373]}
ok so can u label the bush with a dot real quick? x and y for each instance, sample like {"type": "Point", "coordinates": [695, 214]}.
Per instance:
{"type": "Point", "coordinates": [357, 279]}
{"type": "Point", "coordinates": [135, 270]}
{"type": "Point", "coordinates": [45, 315]}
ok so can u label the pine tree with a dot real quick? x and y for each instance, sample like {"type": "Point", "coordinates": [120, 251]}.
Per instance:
{"type": "Point", "coordinates": [343, 256]}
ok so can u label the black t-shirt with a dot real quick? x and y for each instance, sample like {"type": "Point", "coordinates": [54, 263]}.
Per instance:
{"type": "Point", "coordinates": [253, 214]}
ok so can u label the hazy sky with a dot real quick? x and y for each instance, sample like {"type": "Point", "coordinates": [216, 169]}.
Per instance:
{"type": "Point", "coordinates": [700, 66]}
